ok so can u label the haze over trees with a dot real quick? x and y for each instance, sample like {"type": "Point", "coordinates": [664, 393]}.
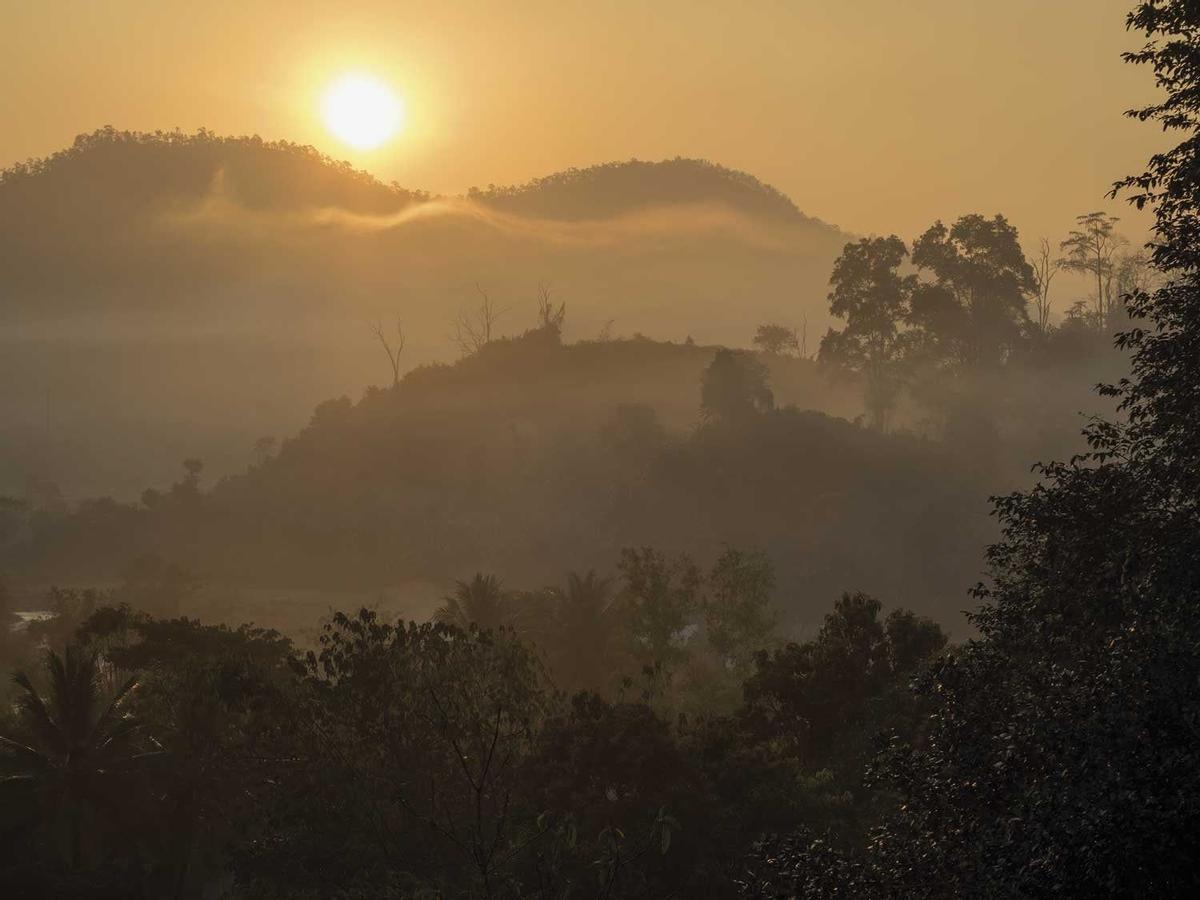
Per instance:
{"type": "Point", "coordinates": [575, 616]}
{"type": "Point", "coordinates": [217, 262]}
{"type": "Point", "coordinates": [1056, 763]}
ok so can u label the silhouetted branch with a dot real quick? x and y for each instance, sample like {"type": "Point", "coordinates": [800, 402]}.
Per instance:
{"type": "Point", "coordinates": [392, 355]}
{"type": "Point", "coordinates": [473, 330]}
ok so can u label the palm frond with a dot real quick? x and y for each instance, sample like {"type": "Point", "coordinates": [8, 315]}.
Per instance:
{"type": "Point", "coordinates": [102, 731]}
{"type": "Point", "coordinates": [36, 718]}
{"type": "Point", "coordinates": [480, 601]}
{"type": "Point", "coordinates": [31, 755]}
{"type": "Point", "coordinates": [75, 694]}
{"type": "Point", "coordinates": [118, 735]}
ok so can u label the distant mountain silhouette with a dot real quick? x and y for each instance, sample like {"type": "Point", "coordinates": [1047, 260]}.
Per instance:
{"type": "Point", "coordinates": [118, 173]}
{"type": "Point", "coordinates": [131, 219]}
{"type": "Point", "coordinates": [247, 275]}
{"type": "Point", "coordinates": [621, 187]}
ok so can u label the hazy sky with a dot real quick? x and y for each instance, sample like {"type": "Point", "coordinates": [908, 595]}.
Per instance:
{"type": "Point", "coordinates": [876, 115]}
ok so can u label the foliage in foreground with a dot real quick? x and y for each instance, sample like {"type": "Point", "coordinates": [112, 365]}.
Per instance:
{"type": "Point", "coordinates": [1062, 758]}
{"type": "Point", "coordinates": [431, 760]}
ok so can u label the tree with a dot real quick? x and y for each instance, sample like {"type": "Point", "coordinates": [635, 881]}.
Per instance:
{"type": "Point", "coordinates": [814, 695]}
{"type": "Point", "coordinates": [408, 765]}
{"type": "Point", "coordinates": [550, 317]}
{"type": "Point", "coordinates": [1133, 274]}
{"type": "Point", "coordinates": [873, 299]}
{"type": "Point", "coordinates": [1091, 249]}
{"type": "Point", "coordinates": [738, 619]}
{"type": "Point", "coordinates": [613, 771]}
{"type": "Point", "coordinates": [66, 762]}
{"type": "Point", "coordinates": [393, 354]}
{"type": "Point", "coordinates": [473, 328]}
{"type": "Point", "coordinates": [1045, 266]}
{"type": "Point", "coordinates": [585, 628]}
{"type": "Point", "coordinates": [776, 339]}
{"type": "Point", "coordinates": [973, 311]}
{"type": "Point", "coordinates": [1062, 757]}
{"type": "Point", "coordinates": [662, 595]}
{"type": "Point", "coordinates": [734, 388]}
{"type": "Point", "coordinates": [222, 705]}
{"type": "Point", "coordinates": [480, 601]}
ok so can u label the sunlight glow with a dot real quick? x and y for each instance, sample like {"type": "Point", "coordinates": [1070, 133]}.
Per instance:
{"type": "Point", "coordinates": [362, 111]}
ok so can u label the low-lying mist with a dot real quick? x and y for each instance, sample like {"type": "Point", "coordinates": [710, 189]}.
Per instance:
{"type": "Point", "coordinates": [207, 292]}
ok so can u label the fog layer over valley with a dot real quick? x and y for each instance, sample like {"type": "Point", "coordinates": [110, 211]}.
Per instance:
{"type": "Point", "coordinates": [628, 534]}
{"type": "Point", "coordinates": [149, 279]}
{"type": "Point", "coordinates": [178, 297]}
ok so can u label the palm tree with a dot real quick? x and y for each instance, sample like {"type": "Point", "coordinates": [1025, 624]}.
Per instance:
{"type": "Point", "coordinates": [480, 601]}
{"type": "Point", "coordinates": [585, 621]}
{"type": "Point", "coordinates": [69, 749]}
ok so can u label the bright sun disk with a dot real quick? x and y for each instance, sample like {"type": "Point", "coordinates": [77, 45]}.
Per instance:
{"type": "Point", "coordinates": [361, 111]}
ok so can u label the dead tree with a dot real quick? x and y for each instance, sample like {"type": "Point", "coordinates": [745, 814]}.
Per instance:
{"type": "Point", "coordinates": [1045, 266]}
{"type": "Point", "coordinates": [392, 355]}
{"type": "Point", "coordinates": [473, 329]}
{"type": "Point", "coordinates": [550, 317]}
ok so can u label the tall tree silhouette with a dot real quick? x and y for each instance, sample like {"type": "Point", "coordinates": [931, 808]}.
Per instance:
{"type": "Point", "coordinates": [1045, 266]}
{"type": "Point", "coordinates": [735, 386]}
{"type": "Point", "coordinates": [776, 339]}
{"type": "Point", "coordinates": [1091, 249]}
{"type": "Point", "coordinates": [873, 298]}
{"type": "Point", "coordinates": [974, 310]}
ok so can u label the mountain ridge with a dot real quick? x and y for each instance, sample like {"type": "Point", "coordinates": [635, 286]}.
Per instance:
{"type": "Point", "coordinates": [267, 174]}
{"type": "Point", "coordinates": [220, 263]}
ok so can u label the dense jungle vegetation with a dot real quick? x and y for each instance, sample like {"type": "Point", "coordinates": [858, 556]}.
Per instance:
{"type": "Point", "coordinates": [690, 635]}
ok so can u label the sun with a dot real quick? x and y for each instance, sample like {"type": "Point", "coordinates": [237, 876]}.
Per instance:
{"type": "Point", "coordinates": [361, 111]}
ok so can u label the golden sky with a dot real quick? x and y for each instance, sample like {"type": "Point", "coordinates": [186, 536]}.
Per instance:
{"type": "Point", "coordinates": [876, 115]}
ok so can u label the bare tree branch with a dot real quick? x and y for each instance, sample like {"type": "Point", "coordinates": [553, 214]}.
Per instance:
{"type": "Point", "coordinates": [550, 317]}
{"type": "Point", "coordinates": [473, 329]}
{"type": "Point", "coordinates": [392, 355]}
{"type": "Point", "coordinates": [1045, 266]}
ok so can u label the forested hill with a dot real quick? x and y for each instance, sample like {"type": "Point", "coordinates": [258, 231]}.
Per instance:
{"type": "Point", "coordinates": [111, 174]}
{"type": "Point", "coordinates": [191, 225]}
{"type": "Point", "coordinates": [621, 187]}
{"type": "Point", "coordinates": [114, 173]}
{"type": "Point", "coordinates": [248, 276]}
{"type": "Point", "coordinates": [531, 458]}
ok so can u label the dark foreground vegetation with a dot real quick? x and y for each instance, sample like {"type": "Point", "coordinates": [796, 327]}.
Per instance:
{"type": "Point", "coordinates": [656, 734]}
{"type": "Point", "coordinates": [164, 757]}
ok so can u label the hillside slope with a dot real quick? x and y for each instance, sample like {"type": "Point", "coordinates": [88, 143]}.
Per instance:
{"type": "Point", "coordinates": [532, 458]}
{"type": "Point", "coordinates": [622, 187]}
